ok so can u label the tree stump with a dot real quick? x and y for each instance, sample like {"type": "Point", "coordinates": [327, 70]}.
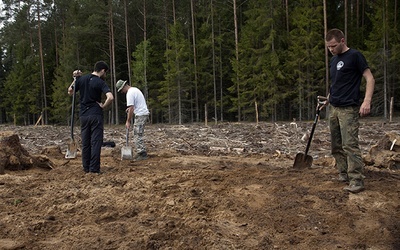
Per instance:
{"type": "Point", "coordinates": [14, 157]}
{"type": "Point", "coordinates": [386, 153]}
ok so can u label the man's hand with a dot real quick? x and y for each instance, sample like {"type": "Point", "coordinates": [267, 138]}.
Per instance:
{"type": "Point", "coordinates": [77, 73]}
{"type": "Point", "coordinates": [322, 101]}
{"type": "Point", "coordinates": [127, 124]}
{"type": "Point", "coordinates": [108, 101]}
{"type": "Point", "coordinates": [129, 116]}
{"type": "Point", "coordinates": [365, 108]}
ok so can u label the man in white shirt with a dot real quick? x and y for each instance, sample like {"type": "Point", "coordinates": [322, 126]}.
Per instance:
{"type": "Point", "coordinates": [136, 105]}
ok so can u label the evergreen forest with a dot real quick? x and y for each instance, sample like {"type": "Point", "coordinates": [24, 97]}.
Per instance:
{"type": "Point", "coordinates": [194, 60]}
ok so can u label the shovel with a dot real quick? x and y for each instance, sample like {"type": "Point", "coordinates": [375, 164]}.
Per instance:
{"type": "Point", "coordinates": [72, 146]}
{"type": "Point", "coordinates": [303, 161]}
{"type": "Point", "coordinates": [126, 151]}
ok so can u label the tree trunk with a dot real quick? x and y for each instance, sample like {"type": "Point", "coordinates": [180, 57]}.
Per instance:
{"type": "Point", "coordinates": [44, 120]}
{"type": "Point", "coordinates": [112, 63]}
{"type": "Point", "coordinates": [237, 58]}
{"type": "Point", "coordinates": [146, 88]}
{"type": "Point", "coordinates": [385, 57]}
{"type": "Point", "coordinates": [326, 53]}
{"type": "Point", "coordinates": [167, 60]}
{"type": "Point", "coordinates": [196, 96]}
{"type": "Point", "coordinates": [287, 16]}
{"type": "Point", "coordinates": [128, 54]}
{"type": "Point", "coordinates": [220, 74]}
{"type": "Point", "coordinates": [177, 66]}
{"type": "Point", "coordinates": [395, 14]}
{"type": "Point", "coordinates": [345, 20]}
{"type": "Point", "coordinates": [213, 63]}
{"type": "Point", "coordinates": [357, 14]}
{"type": "Point", "coordinates": [14, 157]}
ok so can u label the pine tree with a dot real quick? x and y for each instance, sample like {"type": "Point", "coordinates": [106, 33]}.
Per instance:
{"type": "Point", "coordinates": [304, 66]}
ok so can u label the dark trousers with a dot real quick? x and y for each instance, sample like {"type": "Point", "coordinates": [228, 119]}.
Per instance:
{"type": "Point", "coordinates": [92, 130]}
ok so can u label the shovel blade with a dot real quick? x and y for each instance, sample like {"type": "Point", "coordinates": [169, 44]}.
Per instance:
{"type": "Point", "coordinates": [71, 150]}
{"type": "Point", "coordinates": [302, 161]}
{"type": "Point", "coordinates": [126, 153]}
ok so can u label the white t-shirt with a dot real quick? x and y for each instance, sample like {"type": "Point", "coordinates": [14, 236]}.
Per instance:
{"type": "Point", "coordinates": [135, 98]}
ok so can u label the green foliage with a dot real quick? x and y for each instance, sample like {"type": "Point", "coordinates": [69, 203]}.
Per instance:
{"type": "Point", "coordinates": [260, 69]}
{"type": "Point", "coordinates": [383, 53]}
{"type": "Point", "coordinates": [23, 85]}
{"type": "Point", "coordinates": [140, 65]}
{"type": "Point", "coordinates": [175, 87]}
{"type": "Point", "coordinates": [281, 65]}
{"type": "Point", "coordinates": [305, 57]}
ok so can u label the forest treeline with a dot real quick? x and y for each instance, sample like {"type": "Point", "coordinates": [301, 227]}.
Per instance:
{"type": "Point", "coordinates": [195, 60]}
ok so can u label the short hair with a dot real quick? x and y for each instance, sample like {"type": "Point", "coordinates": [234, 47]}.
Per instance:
{"type": "Point", "coordinates": [100, 65]}
{"type": "Point", "coordinates": [336, 34]}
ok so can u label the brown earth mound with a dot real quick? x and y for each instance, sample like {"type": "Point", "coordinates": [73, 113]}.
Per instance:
{"type": "Point", "coordinates": [225, 186]}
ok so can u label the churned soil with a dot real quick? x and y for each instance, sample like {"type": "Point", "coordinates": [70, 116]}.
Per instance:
{"type": "Point", "coordinates": [214, 186]}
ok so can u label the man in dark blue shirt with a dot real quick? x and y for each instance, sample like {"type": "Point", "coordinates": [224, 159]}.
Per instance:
{"type": "Point", "coordinates": [347, 68]}
{"type": "Point", "coordinates": [91, 88]}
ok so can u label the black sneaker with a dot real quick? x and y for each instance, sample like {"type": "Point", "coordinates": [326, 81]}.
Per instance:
{"type": "Point", "coordinates": [95, 173]}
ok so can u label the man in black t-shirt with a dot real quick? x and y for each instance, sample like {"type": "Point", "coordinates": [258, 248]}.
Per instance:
{"type": "Point", "coordinates": [91, 88]}
{"type": "Point", "coordinates": [347, 68]}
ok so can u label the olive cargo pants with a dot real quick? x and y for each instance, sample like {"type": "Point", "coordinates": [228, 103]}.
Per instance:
{"type": "Point", "coordinates": [344, 126]}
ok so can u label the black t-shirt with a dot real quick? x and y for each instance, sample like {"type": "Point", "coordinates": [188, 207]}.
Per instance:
{"type": "Point", "coordinates": [91, 88]}
{"type": "Point", "coordinates": [346, 72]}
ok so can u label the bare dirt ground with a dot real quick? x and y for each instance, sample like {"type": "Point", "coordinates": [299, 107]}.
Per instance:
{"type": "Point", "coordinates": [225, 186]}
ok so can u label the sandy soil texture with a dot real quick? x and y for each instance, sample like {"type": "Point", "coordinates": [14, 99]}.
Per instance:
{"type": "Point", "coordinates": [225, 186]}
